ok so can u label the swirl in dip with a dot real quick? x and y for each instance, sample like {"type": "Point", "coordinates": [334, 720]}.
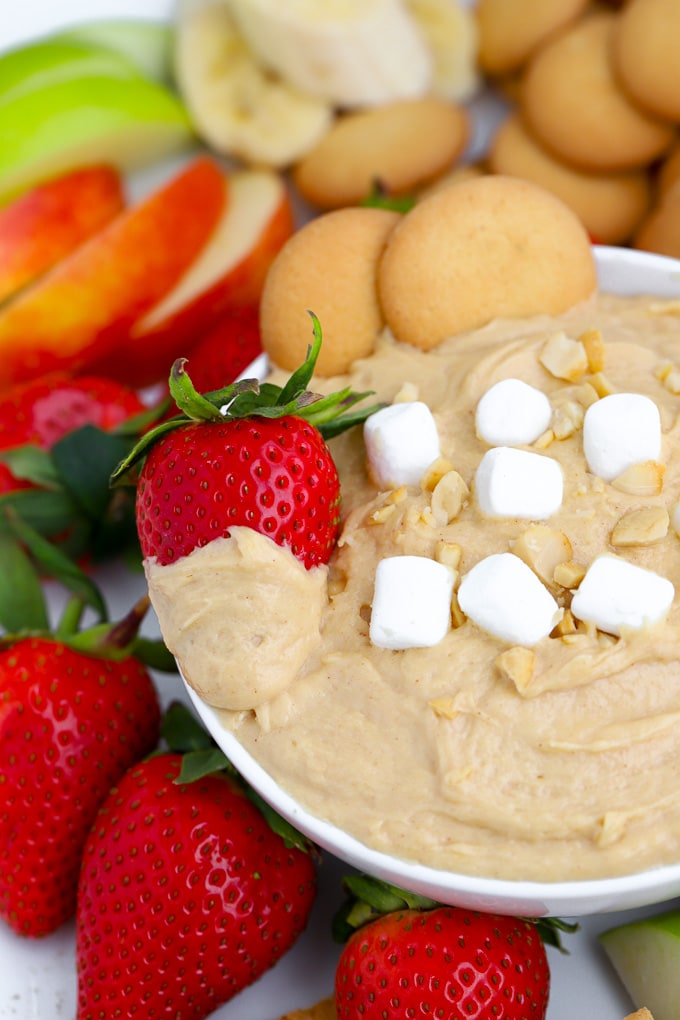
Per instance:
{"type": "Point", "coordinates": [551, 761]}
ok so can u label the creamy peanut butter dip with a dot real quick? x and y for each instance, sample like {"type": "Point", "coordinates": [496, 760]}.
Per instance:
{"type": "Point", "coordinates": [559, 761]}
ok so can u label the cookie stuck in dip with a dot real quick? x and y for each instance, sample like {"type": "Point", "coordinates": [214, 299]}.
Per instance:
{"type": "Point", "coordinates": [490, 682]}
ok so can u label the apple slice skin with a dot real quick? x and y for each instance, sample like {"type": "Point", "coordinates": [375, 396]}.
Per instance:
{"type": "Point", "coordinates": [149, 351]}
{"type": "Point", "coordinates": [129, 122]}
{"type": "Point", "coordinates": [87, 303]}
{"type": "Point", "coordinates": [51, 220]}
{"type": "Point", "coordinates": [147, 44]}
{"type": "Point", "coordinates": [48, 61]}
{"type": "Point", "coordinates": [646, 956]}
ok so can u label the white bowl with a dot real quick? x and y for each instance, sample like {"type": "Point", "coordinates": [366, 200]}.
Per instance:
{"type": "Point", "coordinates": [620, 271]}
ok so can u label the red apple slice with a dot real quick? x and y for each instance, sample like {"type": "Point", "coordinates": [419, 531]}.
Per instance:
{"type": "Point", "coordinates": [47, 223]}
{"type": "Point", "coordinates": [228, 273]}
{"type": "Point", "coordinates": [88, 302]}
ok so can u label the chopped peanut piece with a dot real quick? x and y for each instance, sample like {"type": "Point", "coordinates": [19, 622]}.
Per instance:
{"type": "Point", "coordinates": [602, 385]}
{"type": "Point", "coordinates": [449, 496]}
{"type": "Point", "coordinates": [567, 625]}
{"type": "Point", "coordinates": [611, 828]}
{"type": "Point", "coordinates": [428, 518]}
{"type": "Point", "coordinates": [564, 358]}
{"type": "Point", "coordinates": [639, 1014]}
{"type": "Point", "coordinates": [398, 495]}
{"type": "Point", "coordinates": [569, 574]}
{"type": "Point", "coordinates": [517, 664]}
{"type": "Point", "coordinates": [644, 526]}
{"type": "Point", "coordinates": [643, 479]}
{"type": "Point", "coordinates": [672, 382]}
{"type": "Point", "coordinates": [586, 627]}
{"type": "Point", "coordinates": [544, 440]}
{"type": "Point", "coordinates": [457, 614]}
{"type": "Point", "coordinates": [669, 375]}
{"type": "Point", "coordinates": [572, 639]}
{"type": "Point", "coordinates": [567, 419]}
{"type": "Point", "coordinates": [435, 473]}
{"type": "Point", "coordinates": [445, 708]}
{"type": "Point", "coordinates": [662, 371]}
{"type": "Point", "coordinates": [412, 517]}
{"type": "Point", "coordinates": [543, 548]}
{"type": "Point", "coordinates": [382, 514]}
{"type": "Point", "coordinates": [448, 553]}
{"type": "Point", "coordinates": [586, 394]}
{"type": "Point", "coordinates": [407, 394]}
{"type": "Point", "coordinates": [594, 347]}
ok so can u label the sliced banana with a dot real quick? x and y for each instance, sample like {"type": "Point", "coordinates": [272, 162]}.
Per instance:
{"type": "Point", "coordinates": [238, 107]}
{"type": "Point", "coordinates": [450, 31]}
{"type": "Point", "coordinates": [352, 53]}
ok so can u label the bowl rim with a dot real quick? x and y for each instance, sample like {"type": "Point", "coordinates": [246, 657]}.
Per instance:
{"type": "Point", "coordinates": [619, 270]}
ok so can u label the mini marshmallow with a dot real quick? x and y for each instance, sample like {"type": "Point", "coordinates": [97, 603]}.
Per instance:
{"type": "Point", "coordinates": [401, 443]}
{"type": "Point", "coordinates": [617, 595]}
{"type": "Point", "coordinates": [620, 430]}
{"type": "Point", "coordinates": [517, 483]}
{"type": "Point", "coordinates": [512, 413]}
{"type": "Point", "coordinates": [411, 602]}
{"type": "Point", "coordinates": [503, 596]}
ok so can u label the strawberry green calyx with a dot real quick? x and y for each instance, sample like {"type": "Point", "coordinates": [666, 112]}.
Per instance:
{"type": "Point", "coordinates": [62, 495]}
{"type": "Point", "coordinates": [380, 198]}
{"type": "Point", "coordinates": [27, 556]}
{"type": "Point", "coordinates": [115, 640]}
{"type": "Point", "coordinates": [331, 414]}
{"type": "Point", "coordinates": [184, 734]}
{"type": "Point", "coordinates": [369, 898]}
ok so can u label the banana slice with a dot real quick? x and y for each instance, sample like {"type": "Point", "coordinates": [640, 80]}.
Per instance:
{"type": "Point", "coordinates": [352, 53]}
{"type": "Point", "coordinates": [450, 30]}
{"type": "Point", "coordinates": [237, 107]}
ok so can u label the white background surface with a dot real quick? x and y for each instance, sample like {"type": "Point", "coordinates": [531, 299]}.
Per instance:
{"type": "Point", "coordinates": [37, 979]}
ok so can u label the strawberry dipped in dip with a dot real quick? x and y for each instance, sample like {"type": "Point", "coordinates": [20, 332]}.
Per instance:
{"type": "Point", "coordinates": [238, 509]}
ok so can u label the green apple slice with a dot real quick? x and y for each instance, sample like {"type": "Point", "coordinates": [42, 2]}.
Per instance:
{"type": "Point", "coordinates": [129, 122]}
{"type": "Point", "coordinates": [646, 956]}
{"type": "Point", "coordinates": [147, 44]}
{"type": "Point", "coordinates": [47, 62]}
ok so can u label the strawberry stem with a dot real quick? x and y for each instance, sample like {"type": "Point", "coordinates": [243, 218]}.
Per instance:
{"type": "Point", "coordinates": [122, 634]}
{"type": "Point", "coordinates": [192, 403]}
{"type": "Point", "coordinates": [70, 619]}
{"type": "Point", "coordinates": [120, 640]}
{"type": "Point", "coordinates": [331, 414]}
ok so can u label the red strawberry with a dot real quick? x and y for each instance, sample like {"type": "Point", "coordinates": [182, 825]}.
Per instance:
{"type": "Point", "coordinates": [263, 463]}
{"type": "Point", "coordinates": [44, 410]}
{"type": "Point", "coordinates": [275, 475]}
{"type": "Point", "coordinates": [226, 350]}
{"type": "Point", "coordinates": [186, 896]}
{"type": "Point", "coordinates": [71, 722]}
{"type": "Point", "coordinates": [60, 438]}
{"type": "Point", "coordinates": [443, 962]}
